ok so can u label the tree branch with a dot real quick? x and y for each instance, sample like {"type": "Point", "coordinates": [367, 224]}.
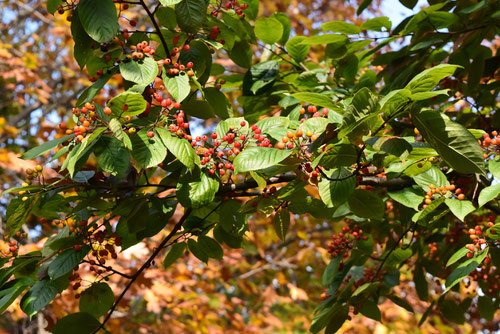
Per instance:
{"type": "Point", "coordinates": [146, 265]}
{"type": "Point", "coordinates": [408, 229]}
{"type": "Point", "coordinates": [157, 27]}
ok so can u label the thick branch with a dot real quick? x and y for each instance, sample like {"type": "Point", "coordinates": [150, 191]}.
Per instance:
{"type": "Point", "coordinates": [396, 183]}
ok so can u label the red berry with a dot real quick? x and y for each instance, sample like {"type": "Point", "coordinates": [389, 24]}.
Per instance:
{"type": "Point", "coordinates": [151, 134]}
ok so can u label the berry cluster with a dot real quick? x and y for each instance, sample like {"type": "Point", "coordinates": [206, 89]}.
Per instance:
{"type": "Point", "coordinates": [435, 192]}
{"type": "Point", "coordinates": [217, 155]}
{"type": "Point", "coordinates": [231, 5]}
{"type": "Point", "coordinates": [314, 111]}
{"type": "Point", "coordinates": [343, 242]}
{"type": "Point", "coordinates": [31, 174]}
{"type": "Point", "coordinates": [86, 117]}
{"type": "Point", "coordinates": [311, 174]}
{"type": "Point", "coordinates": [433, 251]}
{"type": "Point", "coordinates": [476, 234]}
{"type": "Point", "coordinates": [490, 142]}
{"type": "Point", "coordinates": [139, 50]}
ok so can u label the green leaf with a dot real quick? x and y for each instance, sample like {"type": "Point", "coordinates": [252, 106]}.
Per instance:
{"type": "Point", "coordinates": [135, 102]}
{"type": "Point", "coordinates": [223, 126]}
{"type": "Point", "coordinates": [201, 56]}
{"type": "Point", "coordinates": [18, 212]}
{"type": "Point", "coordinates": [198, 108]}
{"type": "Point", "coordinates": [97, 300]}
{"type": "Point", "coordinates": [395, 146]}
{"type": "Point", "coordinates": [181, 148]}
{"type": "Point", "coordinates": [366, 204]}
{"type": "Point", "coordinates": [464, 269]}
{"type": "Point", "coordinates": [395, 97]}
{"type": "Point", "coordinates": [326, 316]}
{"type": "Point", "coordinates": [409, 197]}
{"type": "Point", "coordinates": [191, 14]}
{"type": "Point", "coordinates": [81, 151]}
{"type": "Point", "coordinates": [256, 158]}
{"type": "Point", "coordinates": [196, 190]}
{"type": "Point", "coordinates": [441, 19]}
{"type": "Point", "coordinates": [281, 223]}
{"type": "Point", "coordinates": [147, 152]}
{"type": "Point", "coordinates": [76, 323]}
{"type": "Point", "coordinates": [401, 302]}
{"type": "Point", "coordinates": [41, 294]}
{"type": "Point", "coordinates": [341, 27]}
{"type": "Point", "coordinates": [268, 29]}
{"type": "Point", "coordinates": [451, 311]}
{"type": "Point", "coordinates": [169, 2]}
{"type": "Point", "coordinates": [398, 256]}
{"type": "Point", "coordinates": [428, 95]}
{"type": "Point", "coordinates": [116, 127]}
{"type": "Point", "coordinates": [421, 283]}
{"type": "Point", "coordinates": [316, 99]}
{"type": "Point", "coordinates": [370, 310]}
{"type": "Point", "coordinates": [494, 167]}
{"type": "Point", "coordinates": [112, 156]}
{"type": "Point", "coordinates": [427, 215]}
{"type": "Point", "coordinates": [480, 5]}
{"type": "Point", "coordinates": [66, 261]}
{"type": "Point", "coordinates": [195, 249]}
{"type": "Point", "coordinates": [287, 27]}
{"type": "Point", "coordinates": [460, 208]}
{"type": "Point", "coordinates": [458, 255]}
{"type": "Point", "coordinates": [90, 92]}
{"type": "Point", "coordinates": [260, 77]}
{"type": "Point", "coordinates": [219, 102]}
{"type": "Point", "coordinates": [488, 194]}
{"type": "Point", "coordinates": [337, 319]}
{"type": "Point", "coordinates": [376, 24]}
{"type": "Point", "coordinates": [141, 72]}
{"type": "Point", "coordinates": [174, 254]}
{"type": "Point", "coordinates": [45, 147]}
{"type": "Point", "coordinates": [166, 16]}
{"type": "Point", "coordinates": [83, 43]}
{"type": "Point", "coordinates": [363, 105]}
{"type": "Point", "coordinates": [296, 49]}
{"type": "Point", "coordinates": [241, 54]}
{"type": "Point", "coordinates": [324, 39]}
{"type": "Point", "coordinates": [99, 19]}
{"type": "Point", "coordinates": [178, 86]}
{"type": "Point", "coordinates": [335, 193]}
{"type": "Point", "coordinates": [428, 79]}
{"type": "Point", "coordinates": [52, 5]}
{"type": "Point", "coordinates": [331, 271]}
{"type": "Point", "coordinates": [338, 156]}
{"type": "Point", "coordinates": [486, 307]}
{"type": "Point", "coordinates": [431, 176]}
{"type": "Point", "coordinates": [210, 247]}
{"type": "Point", "coordinates": [451, 140]}
{"type": "Point", "coordinates": [275, 126]}
{"type": "Point", "coordinates": [11, 290]}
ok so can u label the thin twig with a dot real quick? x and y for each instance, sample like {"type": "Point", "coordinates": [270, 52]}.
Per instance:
{"type": "Point", "coordinates": [146, 265]}
{"type": "Point", "coordinates": [392, 250]}
{"type": "Point", "coordinates": [157, 27]}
